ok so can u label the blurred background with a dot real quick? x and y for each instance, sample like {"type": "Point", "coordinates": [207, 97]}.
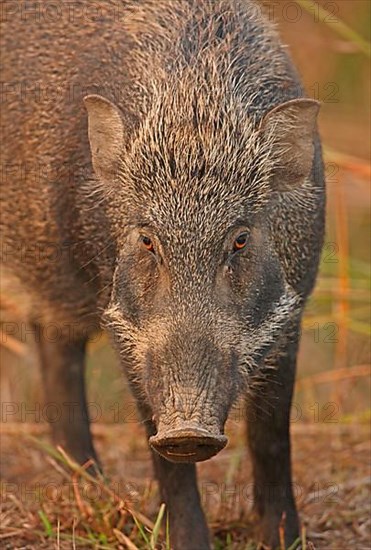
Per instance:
{"type": "Point", "coordinates": [329, 42]}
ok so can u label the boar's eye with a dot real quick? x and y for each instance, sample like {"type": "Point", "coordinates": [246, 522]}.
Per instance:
{"type": "Point", "coordinates": [240, 242]}
{"type": "Point", "coordinates": [147, 243]}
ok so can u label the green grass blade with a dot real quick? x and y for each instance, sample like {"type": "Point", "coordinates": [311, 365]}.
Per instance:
{"type": "Point", "coordinates": [141, 531]}
{"type": "Point", "coordinates": [295, 544]}
{"type": "Point", "coordinates": [157, 526]}
{"type": "Point", "coordinates": [46, 523]}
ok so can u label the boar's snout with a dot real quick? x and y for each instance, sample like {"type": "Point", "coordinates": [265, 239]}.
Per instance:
{"type": "Point", "coordinates": [187, 444]}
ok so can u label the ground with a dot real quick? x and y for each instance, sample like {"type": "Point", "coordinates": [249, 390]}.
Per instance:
{"type": "Point", "coordinates": [44, 507]}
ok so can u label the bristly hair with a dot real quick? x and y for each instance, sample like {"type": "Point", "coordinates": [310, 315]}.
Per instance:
{"type": "Point", "coordinates": [198, 107]}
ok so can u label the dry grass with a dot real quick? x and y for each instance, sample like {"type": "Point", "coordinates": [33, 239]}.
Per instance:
{"type": "Point", "coordinates": [50, 502]}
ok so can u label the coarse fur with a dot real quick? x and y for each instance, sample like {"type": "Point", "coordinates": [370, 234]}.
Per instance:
{"type": "Point", "coordinates": [207, 136]}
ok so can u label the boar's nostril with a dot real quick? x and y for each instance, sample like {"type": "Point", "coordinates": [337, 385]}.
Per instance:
{"type": "Point", "coordinates": [187, 444]}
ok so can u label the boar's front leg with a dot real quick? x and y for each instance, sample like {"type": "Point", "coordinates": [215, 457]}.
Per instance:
{"type": "Point", "coordinates": [178, 489]}
{"type": "Point", "coordinates": [269, 441]}
{"type": "Point", "coordinates": [178, 486]}
{"type": "Point", "coordinates": [62, 364]}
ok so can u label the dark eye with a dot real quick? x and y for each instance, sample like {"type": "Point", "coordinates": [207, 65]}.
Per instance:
{"type": "Point", "coordinates": [240, 242]}
{"type": "Point", "coordinates": [147, 243]}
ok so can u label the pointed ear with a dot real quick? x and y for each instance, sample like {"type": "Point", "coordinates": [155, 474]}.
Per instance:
{"type": "Point", "coordinates": [291, 128]}
{"type": "Point", "coordinates": [106, 132]}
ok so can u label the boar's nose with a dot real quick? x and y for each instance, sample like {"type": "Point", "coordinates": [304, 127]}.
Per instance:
{"type": "Point", "coordinates": [187, 444]}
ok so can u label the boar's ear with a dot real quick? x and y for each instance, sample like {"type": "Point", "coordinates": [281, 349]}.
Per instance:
{"type": "Point", "coordinates": [106, 132]}
{"type": "Point", "coordinates": [291, 128]}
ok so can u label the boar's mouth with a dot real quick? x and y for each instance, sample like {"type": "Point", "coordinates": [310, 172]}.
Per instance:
{"type": "Point", "coordinates": [187, 444]}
